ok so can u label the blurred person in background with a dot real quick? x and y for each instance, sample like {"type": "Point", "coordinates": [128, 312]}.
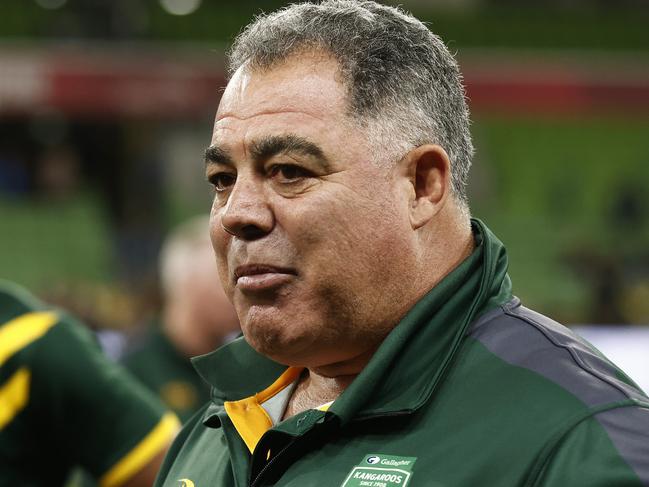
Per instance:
{"type": "Point", "coordinates": [382, 342]}
{"type": "Point", "coordinates": [63, 404]}
{"type": "Point", "coordinates": [196, 319]}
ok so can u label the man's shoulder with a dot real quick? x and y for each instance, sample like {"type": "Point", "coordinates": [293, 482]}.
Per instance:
{"type": "Point", "coordinates": [15, 301]}
{"type": "Point", "coordinates": [24, 320]}
{"type": "Point", "coordinates": [533, 343]}
{"type": "Point", "coordinates": [547, 389]}
{"type": "Point", "coordinates": [188, 449]}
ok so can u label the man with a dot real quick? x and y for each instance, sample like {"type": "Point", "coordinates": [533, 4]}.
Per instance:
{"type": "Point", "coordinates": [64, 404]}
{"type": "Point", "coordinates": [383, 346]}
{"type": "Point", "coordinates": [196, 319]}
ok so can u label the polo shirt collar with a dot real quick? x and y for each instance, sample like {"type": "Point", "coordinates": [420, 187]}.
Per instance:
{"type": "Point", "coordinates": [236, 371]}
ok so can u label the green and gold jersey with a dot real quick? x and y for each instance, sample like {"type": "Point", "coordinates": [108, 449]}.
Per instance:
{"type": "Point", "coordinates": [63, 403]}
{"type": "Point", "coordinates": [469, 389]}
{"type": "Point", "coordinates": [168, 373]}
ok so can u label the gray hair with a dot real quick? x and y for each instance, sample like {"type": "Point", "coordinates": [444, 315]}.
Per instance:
{"type": "Point", "coordinates": [402, 82]}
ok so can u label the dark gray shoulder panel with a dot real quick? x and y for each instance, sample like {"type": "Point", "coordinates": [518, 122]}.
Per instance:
{"type": "Point", "coordinates": [628, 429]}
{"type": "Point", "coordinates": [528, 339]}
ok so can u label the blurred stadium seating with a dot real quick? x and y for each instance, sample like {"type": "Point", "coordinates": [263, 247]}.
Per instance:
{"type": "Point", "coordinates": [106, 106]}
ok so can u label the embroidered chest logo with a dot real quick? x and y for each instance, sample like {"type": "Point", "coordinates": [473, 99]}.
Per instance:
{"type": "Point", "coordinates": [381, 471]}
{"type": "Point", "coordinates": [185, 483]}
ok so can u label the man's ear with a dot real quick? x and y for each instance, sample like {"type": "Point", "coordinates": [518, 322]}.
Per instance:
{"type": "Point", "coordinates": [429, 172]}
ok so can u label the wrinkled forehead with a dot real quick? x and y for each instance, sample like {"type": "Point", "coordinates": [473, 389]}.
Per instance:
{"type": "Point", "coordinates": [309, 82]}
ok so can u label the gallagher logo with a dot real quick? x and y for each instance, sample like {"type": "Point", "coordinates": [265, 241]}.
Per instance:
{"type": "Point", "coordinates": [373, 460]}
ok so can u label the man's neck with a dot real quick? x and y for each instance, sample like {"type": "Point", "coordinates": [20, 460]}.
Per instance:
{"type": "Point", "coordinates": [320, 385]}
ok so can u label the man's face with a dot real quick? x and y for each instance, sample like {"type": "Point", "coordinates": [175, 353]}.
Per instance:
{"type": "Point", "coordinates": [312, 236]}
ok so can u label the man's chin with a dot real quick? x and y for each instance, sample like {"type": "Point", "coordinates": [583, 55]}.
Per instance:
{"type": "Point", "coordinates": [274, 342]}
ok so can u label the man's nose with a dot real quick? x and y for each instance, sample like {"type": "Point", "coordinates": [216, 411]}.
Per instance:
{"type": "Point", "coordinates": [247, 214]}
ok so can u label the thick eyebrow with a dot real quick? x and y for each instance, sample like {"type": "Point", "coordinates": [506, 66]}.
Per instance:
{"type": "Point", "coordinates": [217, 155]}
{"type": "Point", "coordinates": [272, 145]}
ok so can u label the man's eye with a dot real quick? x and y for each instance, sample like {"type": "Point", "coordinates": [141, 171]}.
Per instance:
{"type": "Point", "coordinates": [288, 172]}
{"type": "Point", "coordinates": [222, 181]}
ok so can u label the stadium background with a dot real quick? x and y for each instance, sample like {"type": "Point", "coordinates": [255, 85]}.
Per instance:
{"type": "Point", "coordinates": [107, 105]}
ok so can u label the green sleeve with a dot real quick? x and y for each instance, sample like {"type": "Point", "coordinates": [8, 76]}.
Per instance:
{"type": "Point", "coordinates": [94, 407]}
{"type": "Point", "coordinates": [608, 449]}
{"type": "Point", "coordinates": [177, 445]}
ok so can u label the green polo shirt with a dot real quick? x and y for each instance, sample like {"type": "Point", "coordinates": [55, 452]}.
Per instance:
{"type": "Point", "coordinates": [165, 371]}
{"type": "Point", "coordinates": [470, 389]}
{"type": "Point", "coordinates": [63, 403]}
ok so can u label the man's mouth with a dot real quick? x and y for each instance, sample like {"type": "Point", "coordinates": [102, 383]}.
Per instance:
{"type": "Point", "coordinates": [261, 277]}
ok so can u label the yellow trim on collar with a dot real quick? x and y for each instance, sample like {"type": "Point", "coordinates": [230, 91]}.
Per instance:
{"type": "Point", "coordinates": [325, 407]}
{"type": "Point", "coordinates": [14, 395]}
{"type": "Point", "coordinates": [23, 330]}
{"type": "Point", "coordinates": [143, 453]}
{"type": "Point", "coordinates": [249, 418]}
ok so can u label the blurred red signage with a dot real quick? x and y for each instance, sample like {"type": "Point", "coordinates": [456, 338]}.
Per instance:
{"type": "Point", "coordinates": [109, 84]}
{"type": "Point", "coordinates": [136, 82]}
